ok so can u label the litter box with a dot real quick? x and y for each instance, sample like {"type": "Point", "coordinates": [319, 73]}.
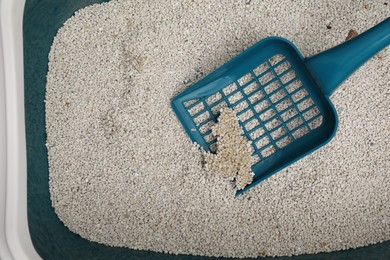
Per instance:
{"type": "Point", "coordinates": [29, 227]}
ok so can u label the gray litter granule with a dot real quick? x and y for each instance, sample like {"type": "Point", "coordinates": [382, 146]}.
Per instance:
{"type": "Point", "coordinates": [124, 173]}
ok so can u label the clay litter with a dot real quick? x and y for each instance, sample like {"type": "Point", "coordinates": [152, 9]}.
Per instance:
{"type": "Point", "coordinates": [233, 158]}
{"type": "Point", "coordinates": [124, 173]}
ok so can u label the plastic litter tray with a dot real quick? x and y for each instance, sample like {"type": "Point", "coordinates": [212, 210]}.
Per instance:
{"type": "Point", "coordinates": [29, 227]}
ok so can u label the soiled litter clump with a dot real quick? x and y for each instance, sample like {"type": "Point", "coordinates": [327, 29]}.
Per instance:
{"type": "Point", "coordinates": [351, 34]}
{"type": "Point", "coordinates": [233, 159]}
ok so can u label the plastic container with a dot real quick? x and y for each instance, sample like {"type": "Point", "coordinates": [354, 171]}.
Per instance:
{"type": "Point", "coordinates": [29, 227]}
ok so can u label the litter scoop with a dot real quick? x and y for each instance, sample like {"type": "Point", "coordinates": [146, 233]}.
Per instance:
{"type": "Point", "coordinates": [281, 98]}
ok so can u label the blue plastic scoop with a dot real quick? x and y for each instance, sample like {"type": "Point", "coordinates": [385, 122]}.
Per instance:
{"type": "Point", "coordinates": [280, 97]}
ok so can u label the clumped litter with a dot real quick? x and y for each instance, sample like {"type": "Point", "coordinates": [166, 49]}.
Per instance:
{"type": "Point", "coordinates": [233, 158]}
{"type": "Point", "coordinates": [124, 173]}
{"type": "Point", "coordinates": [351, 34]}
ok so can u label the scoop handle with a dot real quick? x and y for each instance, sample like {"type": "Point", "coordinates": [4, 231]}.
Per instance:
{"type": "Point", "coordinates": [331, 67]}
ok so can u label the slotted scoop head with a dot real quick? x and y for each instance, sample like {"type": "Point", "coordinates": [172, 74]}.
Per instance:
{"type": "Point", "coordinates": [281, 99]}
